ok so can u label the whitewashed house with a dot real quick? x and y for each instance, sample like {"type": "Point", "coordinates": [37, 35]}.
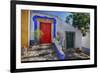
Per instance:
{"type": "Point", "coordinates": [50, 25]}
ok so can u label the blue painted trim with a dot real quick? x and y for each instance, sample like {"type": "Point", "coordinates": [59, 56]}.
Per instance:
{"type": "Point", "coordinates": [60, 55]}
{"type": "Point", "coordinates": [32, 42]}
{"type": "Point", "coordinates": [54, 34]}
{"type": "Point", "coordinates": [44, 17]}
{"type": "Point", "coordinates": [35, 23]}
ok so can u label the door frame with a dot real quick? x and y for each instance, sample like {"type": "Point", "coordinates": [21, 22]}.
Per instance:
{"type": "Point", "coordinates": [53, 23]}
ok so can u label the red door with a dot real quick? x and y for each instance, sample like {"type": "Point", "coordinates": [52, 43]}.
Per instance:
{"type": "Point", "coordinates": [45, 29]}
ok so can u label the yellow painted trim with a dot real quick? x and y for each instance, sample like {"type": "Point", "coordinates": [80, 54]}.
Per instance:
{"type": "Point", "coordinates": [44, 20]}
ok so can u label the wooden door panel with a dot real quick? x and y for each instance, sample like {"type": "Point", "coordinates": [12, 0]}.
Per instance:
{"type": "Point", "coordinates": [45, 36]}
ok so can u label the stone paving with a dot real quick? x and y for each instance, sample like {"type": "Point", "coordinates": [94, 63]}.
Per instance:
{"type": "Point", "coordinates": [70, 54]}
{"type": "Point", "coordinates": [46, 52]}
{"type": "Point", "coordinates": [39, 53]}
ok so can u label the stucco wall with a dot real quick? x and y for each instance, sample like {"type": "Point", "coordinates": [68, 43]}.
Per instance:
{"type": "Point", "coordinates": [78, 39]}
{"type": "Point", "coordinates": [65, 28]}
{"type": "Point", "coordinates": [86, 40]}
{"type": "Point", "coordinates": [61, 27]}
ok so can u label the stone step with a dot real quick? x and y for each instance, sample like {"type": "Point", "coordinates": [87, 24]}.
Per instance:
{"type": "Point", "coordinates": [35, 53]}
{"type": "Point", "coordinates": [40, 47]}
{"type": "Point", "coordinates": [39, 52]}
{"type": "Point", "coordinates": [40, 58]}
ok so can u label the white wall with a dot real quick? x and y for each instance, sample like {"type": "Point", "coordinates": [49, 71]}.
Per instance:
{"type": "Point", "coordinates": [67, 27]}
{"type": "Point", "coordinates": [78, 39]}
{"type": "Point", "coordinates": [86, 40]}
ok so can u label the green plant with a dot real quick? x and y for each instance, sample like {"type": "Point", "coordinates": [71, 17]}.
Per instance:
{"type": "Point", "coordinates": [80, 21]}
